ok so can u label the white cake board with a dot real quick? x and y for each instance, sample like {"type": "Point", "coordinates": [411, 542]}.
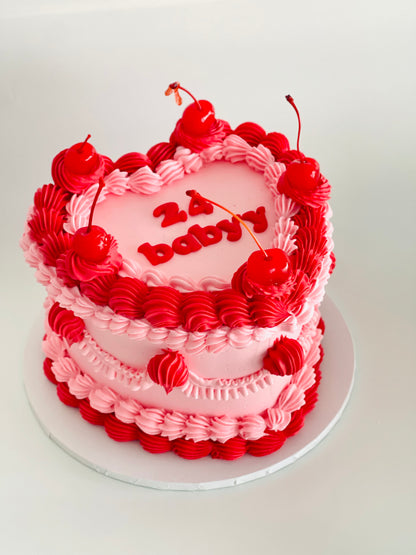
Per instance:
{"type": "Point", "coordinates": [130, 463]}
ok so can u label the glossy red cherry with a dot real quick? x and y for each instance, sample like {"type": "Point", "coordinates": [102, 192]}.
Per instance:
{"type": "Point", "coordinates": [81, 158]}
{"type": "Point", "coordinates": [92, 243]}
{"type": "Point", "coordinates": [273, 269]}
{"type": "Point", "coordinates": [199, 116]}
{"type": "Point", "coordinates": [303, 174]}
{"type": "Point", "coordinates": [198, 120]}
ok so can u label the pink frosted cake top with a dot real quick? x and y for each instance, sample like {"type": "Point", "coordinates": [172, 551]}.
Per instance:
{"type": "Point", "coordinates": [230, 332]}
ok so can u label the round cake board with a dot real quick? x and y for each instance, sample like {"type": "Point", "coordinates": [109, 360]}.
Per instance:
{"type": "Point", "coordinates": [130, 463]}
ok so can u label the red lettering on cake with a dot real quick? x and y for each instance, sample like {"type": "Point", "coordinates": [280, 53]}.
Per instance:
{"type": "Point", "coordinates": [185, 244]}
{"type": "Point", "coordinates": [199, 206]}
{"type": "Point", "coordinates": [208, 235]}
{"type": "Point", "coordinates": [258, 218]}
{"type": "Point", "coordinates": [156, 254]}
{"type": "Point", "coordinates": [171, 212]}
{"type": "Point", "coordinates": [197, 236]}
{"type": "Point", "coordinates": [232, 228]}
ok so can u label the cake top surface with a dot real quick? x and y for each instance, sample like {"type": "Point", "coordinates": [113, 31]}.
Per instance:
{"type": "Point", "coordinates": [153, 247]}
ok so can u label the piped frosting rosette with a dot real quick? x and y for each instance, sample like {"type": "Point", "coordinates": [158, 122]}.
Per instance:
{"type": "Point", "coordinates": [76, 183]}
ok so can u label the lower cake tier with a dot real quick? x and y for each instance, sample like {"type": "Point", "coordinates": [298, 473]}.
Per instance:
{"type": "Point", "coordinates": [130, 414]}
{"type": "Point", "coordinates": [231, 449]}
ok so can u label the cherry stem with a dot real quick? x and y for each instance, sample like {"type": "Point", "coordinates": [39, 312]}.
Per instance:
{"type": "Point", "coordinates": [292, 103]}
{"type": "Point", "coordinates": [81, 148]}
{"type": "Point", "coordinates": [194, 194]}
{"type": "Point", "coordinates": [177, 85]}
{"type": "Point", "coordinates": [94, 202]}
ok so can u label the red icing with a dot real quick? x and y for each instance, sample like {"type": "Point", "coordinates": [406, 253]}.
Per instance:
{"type": "Point", "coordinates": [66, 396]}
{"type": "Point", "coordinates": [62, 273]}
{"type": "Point", "coordinates": [45, 221]}
{"type": "Point", "coordinates": [192, 450]}
{"type": "Point", "coordinates": [198, 311]}
{"type": "Point", "coordinates": [311, 197]}
{"type": "Point", "coordinates": [302, 286]}
{"type": "Point", "coordinates": [77, 268]}
{"type": "Point", "coordinates": [172, 214]}
{"type": "Point", "coordinates": [311, 249]}
{"type": "Point", "coordinates": [198, 206]}
{"type": "Point", "coordinates": [268, 312]}
{"type": "Point", "coordinates": [240, 284]}
{"type": "Point", "coordinates": [47, 370]}
{"type": "Point", "coordinates": [208, 235]}
{"type": "Point", "coordinates": [160, 152]}
{"type": "Point", "coordinates": [276, 143]}
{"type": "Point", "coordinates": [218, 131]}
{"type": "Point", "coordinates": [232, 308]}
{"type": "Point", "coordinates": [258, 218]}
{"type": "Point", "coordinates": [249, 283]}
{"type": "Point", "coordinates": [54, 245]}
{"type": "Point", "coordinates": [232, 228]}
{"type": "Point", "coordinates": [156, 254]}
{"type": "Point", "coordinates": [230, 450]}
{"type": "Point", "coordinates": [168, 369]}
{"type": "Point", "coordinates": [311, 395]}
{"type": "Point", "coordinates": [267, 444]}
{"type": "Point", "coordinates": [51, 198]}
{"type": "Point", "coordinates": [75, 183]}
{"type": "Point", "coordinates": [321, 326]}
{"type": "Point", "coordinates": [296, 423]}
{"type": "Point", "coordinates": [284, 358]}
{"type": "Point", "coordinates": [333, 263]}
{"type": "Point", "coordinates": [91, 415]}
{"type": "Point", "coordinates": [289, 156]}
{"type": "Point", "coordinates": [98, 289]}
{"type": "Point", "coordinates": [185, 244]}
{"type": "Point", "coordinates": [197, 235]}
{"type": "Point", "coordinates": [311, 217]}
{"type": "Point", "coordinates": [65, 323]}
{"type": "Point", "coordinates": [162, 307]}
{"type": "Point", "coordinates": [126, 297]}
{"type": "Point", "coordinates": [120, 431]}
{"type": "Point", "coordinates": [132, 161]}
{"type": "Point", "coordinates": [154, 444]}
{"type": "Point", "coordinates": [251, 132]}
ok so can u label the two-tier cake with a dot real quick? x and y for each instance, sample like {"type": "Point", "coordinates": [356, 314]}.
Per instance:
{"type": "Point", "coordinates": [165, 322]}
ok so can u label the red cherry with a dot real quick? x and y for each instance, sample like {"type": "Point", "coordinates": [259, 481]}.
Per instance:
{"type": "Point", "coordinates": [81, 158]}
{"type": "Point", "coordinates": [198, 120]}
{"type": "Point", "coordinates": [303, 174]}
{"type": "Point", "coordinates": [273, 269]}
{"type": "Point", "coordinates": [92, 243]}
{"type": "Point", "coordinates": [264, 267]}
{"type": "Point", "coordinates": [199, 116]}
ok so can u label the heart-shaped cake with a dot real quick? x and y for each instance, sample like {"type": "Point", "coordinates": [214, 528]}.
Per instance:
{"type": "Point", "coordinates": [166, 323]}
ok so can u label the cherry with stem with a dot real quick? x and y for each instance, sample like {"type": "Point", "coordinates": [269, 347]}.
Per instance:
{"type": "Point", "coordinates": [264, 267]}
{"type": "Point", "coordinates": [303, 173]}
{"type": "Point", "coordinates": [198, 117]}
{"type": "Point", "coordinates": [92, 242]}
{"type": "Point", "coordinates": [82, 158]}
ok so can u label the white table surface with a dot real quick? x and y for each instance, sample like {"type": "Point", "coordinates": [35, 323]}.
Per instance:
{"type": "Point", "coordinates": [73, 68]}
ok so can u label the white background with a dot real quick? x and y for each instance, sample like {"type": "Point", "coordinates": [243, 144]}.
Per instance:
{"type": "Point", "coordinates": [72, 68]}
